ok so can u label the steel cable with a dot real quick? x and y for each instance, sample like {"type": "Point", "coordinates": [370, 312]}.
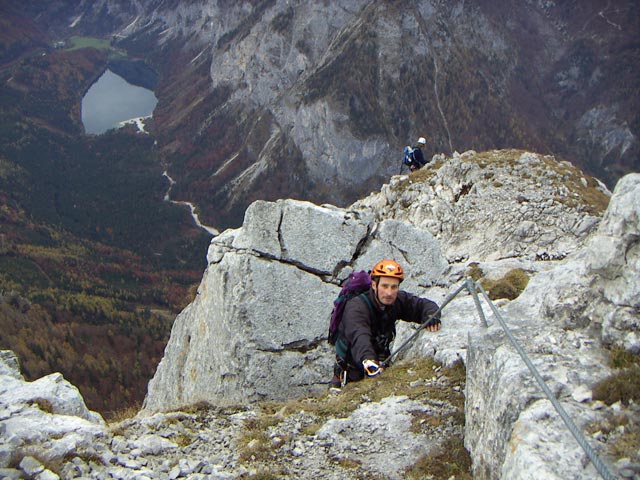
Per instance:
{"type": "Point", "coordinates": [595, 459]}
{"type": "Point", "coordinates": [472, 288]}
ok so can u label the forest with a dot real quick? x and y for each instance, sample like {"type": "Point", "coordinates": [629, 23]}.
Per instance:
{"type": "Point", "coordinates": [94, 263]}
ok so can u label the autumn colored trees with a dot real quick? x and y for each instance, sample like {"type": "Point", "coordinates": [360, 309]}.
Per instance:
{"type": "Point", "coordinates": [94, 264]}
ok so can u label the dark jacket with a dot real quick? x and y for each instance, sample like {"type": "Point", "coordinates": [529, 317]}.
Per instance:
{"type": "Point", "coordinates": [367, 333]}
{"type": "Point", "coordinates": [419, 157]}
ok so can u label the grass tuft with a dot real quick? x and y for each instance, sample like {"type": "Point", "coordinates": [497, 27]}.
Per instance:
{"type": "Point", "coordinates": [260, 476]}
{"type": "Point", "coordinates": [474, 271]}
{"type": "Point", "coordinates": [394, 381]}
{"type": "Point", "coordinates": [628, 445]}
{"type": "Point", "coordinates": [449, 460]}
{"type": "Point", "coordinates": [348, 463]}
{"type": "Point", "coordinates": [622, 386]}
{"type": "Point", "coordinates": [198, 408]}
{"type": "Point", "coordinates": [43, 404]}
{"type": "Point", "coordinates": [182, 439]}
{"type": "Point", "coordinates": [622, 358]}
{"type": "Point", "coordinates": [510, 286]}
{"type": "Point", "coordinates": [254, 443]}
{"type": "Point", "coordinates": [623, 432]}
{"type": "Point", "coordinates": [124, 414]}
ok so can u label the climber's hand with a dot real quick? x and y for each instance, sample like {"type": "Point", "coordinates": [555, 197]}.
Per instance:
{"type": "Point", "coordinates": [433, 325]}
{"type": "Point", "coordinates": [371, 367]}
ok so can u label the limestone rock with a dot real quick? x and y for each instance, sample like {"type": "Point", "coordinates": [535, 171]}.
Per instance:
{"type": "Point", "coordinates": [9, 365]}
{"type": "Point", "coordinates": [501, 396]}
{"type": "Point", "coordinates": [507, 415]}
{"type": "Point", "coordinates": [387, 424]}
{"type": "Point", "coordinates": [317, 238]}
{"type": "Point", "coordinates": [48, 413]}
{"type": "Point", "coordinates": [262, 310]}
{"type": "Point", "coordinates": [245, 336]}
{"type": "Point", "coordinates": [614, 260]}
{"type": "Point", "coordinates": [449, 345]}
{"type": "Point", "coordinates": [493, 205]}
{"type": "Point", "coordinates": [52, 393]}
{"type": "Point", "coordinates": [55, 393]}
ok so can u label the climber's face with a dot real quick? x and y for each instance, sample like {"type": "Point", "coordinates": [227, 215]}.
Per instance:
{"type": "Point", "coordinates": [386, 290]}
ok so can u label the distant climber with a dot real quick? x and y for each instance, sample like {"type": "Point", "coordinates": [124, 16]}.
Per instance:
{"type": "Point", "coordinates": [417, 152]}
{"type": "Point", "coordinates": [368, 324]}
{"type": "Point", "coordinates": [413, 156]}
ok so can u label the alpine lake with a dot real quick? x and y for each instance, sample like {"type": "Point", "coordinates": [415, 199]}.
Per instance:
{"type": "Point", "coordinates": [111, 101]}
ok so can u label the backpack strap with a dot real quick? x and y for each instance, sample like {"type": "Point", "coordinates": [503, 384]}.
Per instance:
{"type": "Point", "coordinates": [367, 300]}
{"type": "Point", "coordinates": [341, 349]}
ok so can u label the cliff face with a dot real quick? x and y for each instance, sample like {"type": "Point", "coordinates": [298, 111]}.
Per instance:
{"type": "Point", "coordinates": [264, 293]}
{"type": "Point", "coordinates": [275, 99]}
{"type": "Point", "coordinates": [261, 313]}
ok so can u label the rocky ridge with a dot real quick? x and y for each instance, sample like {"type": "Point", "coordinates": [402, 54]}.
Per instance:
{"type": "Point", "coordinates": [230, 346]}
{"type": "Point", "coordinates": [497, 204]}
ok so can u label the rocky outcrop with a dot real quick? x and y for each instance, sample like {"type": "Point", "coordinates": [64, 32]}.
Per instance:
{"type": "Point", "coordinates": [206, 442]}
{"type": "Point", "coordinates": [46, 418]}
{"type": "Point", "coordinates": [562, 320]}
{"type": "Point", "coordinates": [614, 260]}
{"type": "Point", "coordinates": [261, 314]}
{"type": "Point", "coordinates": [496, 205]}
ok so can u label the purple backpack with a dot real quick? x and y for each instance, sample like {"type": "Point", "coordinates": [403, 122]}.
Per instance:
{"type": "Point", "coordinates": [357, 283]}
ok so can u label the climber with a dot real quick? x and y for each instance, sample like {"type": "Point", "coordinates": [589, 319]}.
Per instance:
{"type": "Point", "coordinates": [368, 324]}
{"type": "Point", "coordinates": [413, 156]}
{"type": "Point", "coordinates": [418, 156]}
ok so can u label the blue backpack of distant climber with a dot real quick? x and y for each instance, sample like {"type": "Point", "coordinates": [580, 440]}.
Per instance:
{"type": "Point", "coordinates": [357, 283]}
{"type": "Point", "coordinates": [407, 158]}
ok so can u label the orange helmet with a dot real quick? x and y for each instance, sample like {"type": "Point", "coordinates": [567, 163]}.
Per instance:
{"type": "Point", "coordinates": [388, 268]}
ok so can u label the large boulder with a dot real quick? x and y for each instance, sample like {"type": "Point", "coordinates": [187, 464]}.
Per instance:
{"type": "Point", "coordinates": [257, 327]}
{"type": "Point", "coordinates": [614, 260]}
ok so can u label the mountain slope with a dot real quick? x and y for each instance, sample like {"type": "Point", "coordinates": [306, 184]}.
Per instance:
{"type": "Point", "coordinates": [272, 98]}
{"type": "Point", "coordinates": [94, 264]}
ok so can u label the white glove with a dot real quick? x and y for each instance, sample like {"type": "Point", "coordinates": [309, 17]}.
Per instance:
{"type": "Point", "coordinates": [371, 367]}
